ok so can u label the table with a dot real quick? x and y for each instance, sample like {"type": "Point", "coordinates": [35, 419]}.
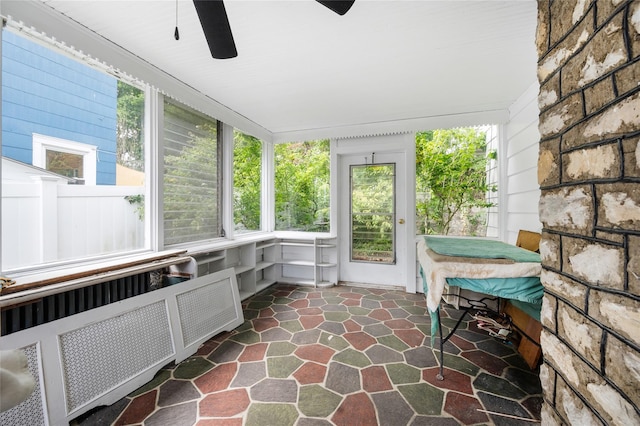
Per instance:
{"type": "Point", "coordinates": [490, 267]}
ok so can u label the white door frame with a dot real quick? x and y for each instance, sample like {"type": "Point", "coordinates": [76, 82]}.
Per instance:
{"type": "Point", "coordinates": [403, 144]}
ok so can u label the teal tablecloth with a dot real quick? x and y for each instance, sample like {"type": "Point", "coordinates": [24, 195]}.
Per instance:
{"type": "Point", "coordinates": [525, 292]}
{"type": "Point", "coordinates": [481, 248]}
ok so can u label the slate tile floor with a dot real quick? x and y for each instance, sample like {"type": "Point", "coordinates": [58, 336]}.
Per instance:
{"type": "Point", "coordinates": [337, 356]}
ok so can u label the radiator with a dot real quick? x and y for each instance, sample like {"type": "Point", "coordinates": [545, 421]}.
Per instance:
{"type": "Point", "coordinates": [98, 356]}
{"type": "Point", "coordinates": [62, 305]}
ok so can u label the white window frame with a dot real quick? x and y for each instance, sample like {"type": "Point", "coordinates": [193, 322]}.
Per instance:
{"type": "Point", "coordinates": [89, 153]}
{"type": "Point", "coordinates": [53, 26]}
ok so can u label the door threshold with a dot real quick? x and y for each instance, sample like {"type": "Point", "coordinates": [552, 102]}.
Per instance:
{"type": "Point", "coordinates": [376, 286]}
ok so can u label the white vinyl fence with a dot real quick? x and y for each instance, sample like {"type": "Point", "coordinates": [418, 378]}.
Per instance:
{"type": "Point", "coordinates": [43, 221]}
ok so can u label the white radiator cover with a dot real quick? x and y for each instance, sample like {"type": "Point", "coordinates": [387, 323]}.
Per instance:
{"type": "Point", "coordinates": [202, 308]}
{"type": "Point", "coordinates": [32, 411]}
{"type": "Point", "coordinates": [119, 347]}
{"type": "Point", "coordinates": [99, 357]}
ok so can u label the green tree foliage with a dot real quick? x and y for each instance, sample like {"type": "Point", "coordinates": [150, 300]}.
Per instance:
{"type": "Point", "coordinates": [450, 177]}
{"type": "Point", "coordinates": [247, 167]}
{"type": "Point", "coordinates": [129, 127]}
{"type": "Point", "coordinates": [302, 186]}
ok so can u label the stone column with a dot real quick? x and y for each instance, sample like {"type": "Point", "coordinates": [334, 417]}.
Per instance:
{"type": "Point", "coordinates": [589, 176]}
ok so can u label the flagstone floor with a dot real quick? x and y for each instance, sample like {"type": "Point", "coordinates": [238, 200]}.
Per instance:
{"type": "Point", "coordinates": [337, 356]}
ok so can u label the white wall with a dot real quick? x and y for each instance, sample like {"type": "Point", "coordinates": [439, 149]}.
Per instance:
{"type": "Point", "coordinates": [519, 189]}
{"type": "Point", "coordinates": [493, 177]}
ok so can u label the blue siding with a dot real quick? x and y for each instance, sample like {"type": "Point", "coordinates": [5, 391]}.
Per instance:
{"type": "Point", "coordinates": [48, 93]}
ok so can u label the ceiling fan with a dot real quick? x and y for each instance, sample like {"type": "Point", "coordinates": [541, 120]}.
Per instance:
{"type": "Point", "coordinates": [217, 31]}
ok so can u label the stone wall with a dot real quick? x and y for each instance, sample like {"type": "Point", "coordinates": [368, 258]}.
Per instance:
{"type": "Point", "coordinates": [589, 175]}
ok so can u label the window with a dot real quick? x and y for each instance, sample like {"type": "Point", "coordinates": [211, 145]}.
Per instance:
{"type": "Point", "coordinates": [74, 183]}
{"type": "Point", "coordinates": [372, 213]}
{"type": "Point", "coordinates": [302, 186]}
{"type": "Point", "coordinates": [66, 164]}
{"type": "Point", "coordinates": [191, 198]}
{"type": "Point", "coordinates": [247, 182]}
{"type": "Point", "coordinates": [67, 158]}
{"type": "Point", "coordinates": [453, 193]}
{"type": "Point", "coordinates": [130, 134]}
{"type": "Point", "coordinates": [61, 124]}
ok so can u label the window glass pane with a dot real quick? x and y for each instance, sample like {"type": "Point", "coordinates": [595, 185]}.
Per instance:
{"type": "Point", "coordinates": [453, 194]}
{"type": "Point", "coordinates": [65, 163]}
{"type": "Point", "coordinates": [302, 186]}
{"type": "Point", "coordinates": [60, 127]}
{"type": "Point", "coordinates": [247, 172]}
{"type": "Point", "coordinates": [373, 213]}
{"type": "Point", "coordinates": [191, 181]}
{"type": "Point", "coordinates": [130, 125]}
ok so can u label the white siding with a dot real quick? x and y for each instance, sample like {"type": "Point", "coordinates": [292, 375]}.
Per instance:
{"type": "Point", "coordinates": [520, 191]}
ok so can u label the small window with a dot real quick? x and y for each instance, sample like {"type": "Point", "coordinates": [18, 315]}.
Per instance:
{"type": "Point", "coordinates": [66, 164]}
{"type": "Point", "coordinates": [302, 186]}
{"type": "Point", "coordinates": [247, 182]}
{"type": "Point", "coordinates": [67, 158]}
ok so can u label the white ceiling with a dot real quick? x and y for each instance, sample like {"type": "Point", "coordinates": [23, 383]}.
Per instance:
{"type": "Point", "coordinates": [302, 69]}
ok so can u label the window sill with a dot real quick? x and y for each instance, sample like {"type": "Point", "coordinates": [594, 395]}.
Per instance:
{"type": "Point", "coordinates": [60, 276]}
{"type": "Point", "coordinates": [227, 243]}
{"type": "Point", "coordinates": [298, 235]}
{"type": "Point", "coordinates": [55, 276]}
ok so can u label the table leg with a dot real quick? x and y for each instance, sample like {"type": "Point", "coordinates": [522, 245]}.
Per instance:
{"type": "Point", "coordinates": [440, 375]}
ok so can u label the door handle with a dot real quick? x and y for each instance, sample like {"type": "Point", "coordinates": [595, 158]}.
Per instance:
{"type": "Point", "coordinates": [401, 221]}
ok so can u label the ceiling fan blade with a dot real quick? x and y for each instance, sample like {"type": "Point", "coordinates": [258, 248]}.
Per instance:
{"type": "Point", "coordinates": [217, 31]}
{"type": "Point", "coordinates": [338, 6]}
